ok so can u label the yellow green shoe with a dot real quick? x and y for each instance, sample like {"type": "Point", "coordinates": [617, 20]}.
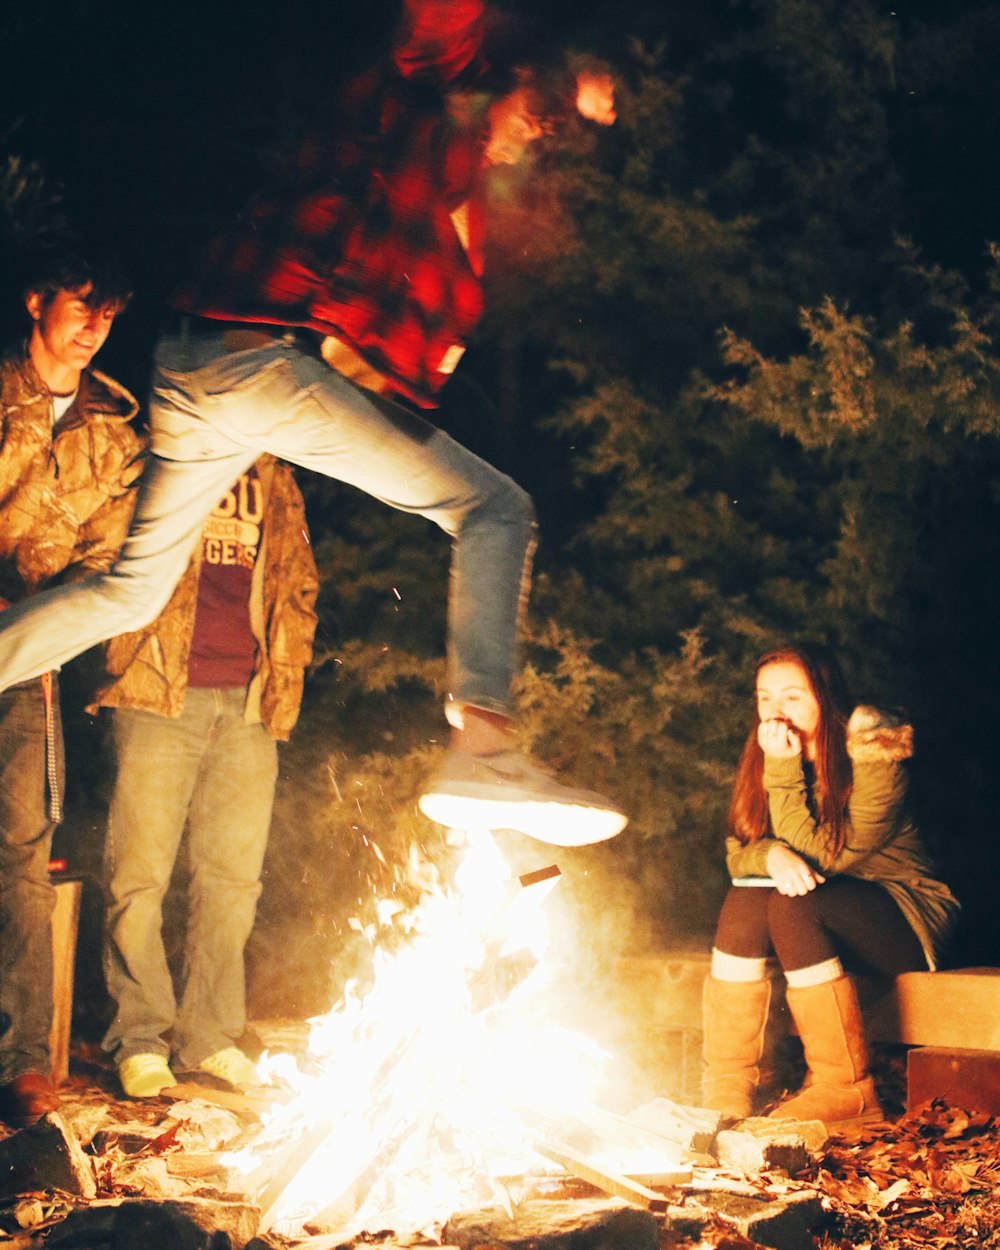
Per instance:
{"type": "Point", "coordinates": [145, 1075]}
{"type": "Point", "coordinates": [235, 1068]}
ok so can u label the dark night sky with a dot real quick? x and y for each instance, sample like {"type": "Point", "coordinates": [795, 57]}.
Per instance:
{"type": "Point", "coordinates": [154, 117]}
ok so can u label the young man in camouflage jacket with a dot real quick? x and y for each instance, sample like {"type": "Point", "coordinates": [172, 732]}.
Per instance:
{"type": "Point", "coordinates": [69, 459]}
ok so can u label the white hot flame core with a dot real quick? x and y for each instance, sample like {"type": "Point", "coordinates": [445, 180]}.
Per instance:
{"type": "Point", "coordinates": [406, 1108]}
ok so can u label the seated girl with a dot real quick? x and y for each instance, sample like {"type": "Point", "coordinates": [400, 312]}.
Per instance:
{"type": "Point", "coordinates": [819, 821]}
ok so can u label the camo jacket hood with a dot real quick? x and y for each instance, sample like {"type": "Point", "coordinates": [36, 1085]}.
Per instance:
{"type": "Point", "coordinates": [66, 491]}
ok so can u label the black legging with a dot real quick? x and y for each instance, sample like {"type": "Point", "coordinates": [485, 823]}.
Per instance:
{"type": "Point", "coordinates": [857, 921]}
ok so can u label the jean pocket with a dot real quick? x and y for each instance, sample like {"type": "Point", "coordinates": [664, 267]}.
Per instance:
{"type": "Point", "coordinates": [242, 373]}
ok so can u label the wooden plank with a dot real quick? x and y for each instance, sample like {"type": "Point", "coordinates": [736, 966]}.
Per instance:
{"type": "Point", "coordinates": [594, 1136]}
{"type": "Point", "coordinates": [594, 1174]}
{"type": "Point", "coordinates": [665, 988]}
{"type": "Point", "coordinates": [276, 1175]}
{"type": "Point", "coordinates": [65, 925]}
{"type": "Point", "coordinates": [232, 1100]}
{"type": "Point", "coordinates": [959, 1009]}
{"type": "Point", "coordinates": [969, 1079]}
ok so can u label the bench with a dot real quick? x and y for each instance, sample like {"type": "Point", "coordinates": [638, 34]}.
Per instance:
{"type": "Point", "coordinates": [951, 1019]}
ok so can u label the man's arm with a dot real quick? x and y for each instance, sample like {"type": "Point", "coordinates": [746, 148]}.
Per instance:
{"type": "Point", "coordinates": [100, 537]}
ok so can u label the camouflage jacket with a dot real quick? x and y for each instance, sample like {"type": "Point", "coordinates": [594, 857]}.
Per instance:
{"type": "Point", "coordinates": [147, 669]}
{"type": "Point", "coordinates": [66, 492]}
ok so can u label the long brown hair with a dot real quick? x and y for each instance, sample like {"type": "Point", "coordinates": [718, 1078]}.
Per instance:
{"type": "Point", "coordinates": [749, 818]}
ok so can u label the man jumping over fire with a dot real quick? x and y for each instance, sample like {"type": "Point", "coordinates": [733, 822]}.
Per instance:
{"type": "Point", "coordinates": [361, 280]}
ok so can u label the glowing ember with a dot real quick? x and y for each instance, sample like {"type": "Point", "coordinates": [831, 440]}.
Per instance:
{"type": "Point", "coordinates": [419, 1097]}
{"type": "Point", "coordinates": [595, 97]}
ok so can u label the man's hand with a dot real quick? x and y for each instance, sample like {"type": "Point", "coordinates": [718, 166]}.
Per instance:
{"type": "Point", "coordinates": [595, 97]}
{"type": "Point", "coordinates": [777, 738]}
{"type": "Point", "coordinates": [790, 872]}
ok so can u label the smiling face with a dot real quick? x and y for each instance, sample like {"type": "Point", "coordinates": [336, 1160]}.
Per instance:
{"type": "Point", "coordinates": [784, 692]}
{"type": "Point", "coordinates": [67, 334]}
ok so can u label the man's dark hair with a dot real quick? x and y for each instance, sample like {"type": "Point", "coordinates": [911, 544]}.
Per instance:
{"type": "Point", "coordinates": [72, 267]}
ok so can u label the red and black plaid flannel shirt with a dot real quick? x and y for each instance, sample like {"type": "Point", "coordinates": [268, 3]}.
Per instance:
{"type": "Point", "coordinates": [362, 245]}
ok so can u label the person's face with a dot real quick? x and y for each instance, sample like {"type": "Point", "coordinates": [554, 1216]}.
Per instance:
{"type": "Point", "coordinates": [67, 335]}
{"type": "Point", "coordinates": [513, 128]}
{"type": "Point", "coordinates": [784, 693]}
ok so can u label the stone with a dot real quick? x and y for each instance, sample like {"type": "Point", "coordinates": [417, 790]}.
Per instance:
{"type": "Point", "coordinates": [598, 1224]}
{"type": "Point", "coordinates": [784, 1223]}
{"type": "Point", "coordinates": [45, 1156]}
{"type": "Point", "coordinates": [138, 1224]}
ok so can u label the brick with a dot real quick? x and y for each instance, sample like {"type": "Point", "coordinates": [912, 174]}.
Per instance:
{"type": "Point", "coordinates": [969, 1079]}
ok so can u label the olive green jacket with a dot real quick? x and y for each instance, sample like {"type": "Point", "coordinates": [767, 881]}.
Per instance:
{"type": "Point", "coordinates": [66, 492]}
{"type": "Point", "coordinates": [883, 845]}
{"type": "Point", "coordinates": [147, 669]}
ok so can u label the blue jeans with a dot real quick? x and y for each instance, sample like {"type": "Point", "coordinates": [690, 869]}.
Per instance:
{"type": "Point", "coordinates": [27, 897]}
{"type": "Point", "coordinates": [213, 412]}
{"type": "Point", "coordinates": [213, 772]}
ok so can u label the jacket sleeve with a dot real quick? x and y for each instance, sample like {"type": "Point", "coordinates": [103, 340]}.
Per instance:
{"type": "Point", "coordinates": [749, 860]}
{"type": "Point", "coordinates": [878, 794]}
{"type": "Point", "coordinates": [100, 537]}
{"type": "Point", "coordinates": [438, 39]}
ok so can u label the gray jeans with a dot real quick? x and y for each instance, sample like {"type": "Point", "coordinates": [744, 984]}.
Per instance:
{"type": "Point", "coordinates": [211, 771]}
{"type": "Point", "coordinates": [27, 897]}
{"type": "Point", "coordinates": [213, 412]}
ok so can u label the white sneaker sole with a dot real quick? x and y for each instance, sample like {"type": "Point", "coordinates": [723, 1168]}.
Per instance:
{"type": "Point", "coordinates": [559, 824]}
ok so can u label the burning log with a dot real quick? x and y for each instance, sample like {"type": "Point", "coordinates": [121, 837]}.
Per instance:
{"type": "Point", "coordinates": [398, 1053]}
{"type": "Point", "coordinates": [608, 1152]}
{"type": "Point", "coordinates": [598, 1176]}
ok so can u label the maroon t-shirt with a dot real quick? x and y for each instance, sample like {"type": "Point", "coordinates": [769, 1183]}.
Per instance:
{"type": "Point", "coordinates": [223, 646]}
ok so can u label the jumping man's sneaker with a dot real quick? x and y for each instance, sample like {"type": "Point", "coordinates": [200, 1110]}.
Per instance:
{"type": "Point", "coordinates": [508, 791]}
{"type": "Point", "coordinates": [232, 1066]}
{"type": "Point", "coordinates": [145, 1075]}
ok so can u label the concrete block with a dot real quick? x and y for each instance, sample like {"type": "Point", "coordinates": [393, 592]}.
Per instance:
{"type": "Point", "coordinates": [760, 1145]}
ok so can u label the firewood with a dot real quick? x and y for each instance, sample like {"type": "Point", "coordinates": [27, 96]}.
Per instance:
{"type": "Point", "coordinates": [246, 1104]}
{"type": "Point", "coordinates": [611, 1183]}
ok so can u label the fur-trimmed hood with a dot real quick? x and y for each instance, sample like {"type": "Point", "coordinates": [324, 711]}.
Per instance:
{"type": "Point", "coordinates": [873, 734]}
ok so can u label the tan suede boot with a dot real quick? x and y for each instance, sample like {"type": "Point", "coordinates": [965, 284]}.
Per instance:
{"type": "Point", "coordinates": [734, 1014]}
{"type": "Point", "coordinates": [839, 1089]}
